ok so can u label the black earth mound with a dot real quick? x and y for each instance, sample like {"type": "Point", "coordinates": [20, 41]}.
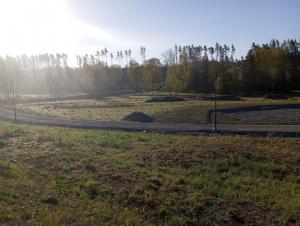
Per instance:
{"type": "Point", "coordinates": [276, 97]}
{"type": "Point", "coordinates": [165, 99]}
{"type": "Point", "coordinates": [138, 117]}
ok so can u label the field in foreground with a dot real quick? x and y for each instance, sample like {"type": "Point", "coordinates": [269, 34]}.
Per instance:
{"type": "Point", "coordinates": [57, 176]}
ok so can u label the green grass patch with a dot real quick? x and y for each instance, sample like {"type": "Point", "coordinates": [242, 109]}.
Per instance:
{"type": "Point", "coordinates": [8, 170]}
{"type": "Point", "coordinates": [7, 197]}
{"type": "Point", "coordinates": [59, 176]}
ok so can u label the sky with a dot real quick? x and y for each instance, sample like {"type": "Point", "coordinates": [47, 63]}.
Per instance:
{"type": "Point", "coordinates": [78, 27]}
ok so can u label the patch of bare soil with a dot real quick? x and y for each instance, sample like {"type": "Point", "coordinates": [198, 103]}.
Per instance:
{"type": "Point", "coordinates": [245, 213]}
{"type": "Point", "coordinates": [224, 98]}
{"type": "Point", "coordinates": [276, 97]}
{"type": "Point", "coordinates": [165, 99]}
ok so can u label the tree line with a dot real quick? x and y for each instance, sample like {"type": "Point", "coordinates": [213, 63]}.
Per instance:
{"type": "Point", "coordinates": [271, 67]}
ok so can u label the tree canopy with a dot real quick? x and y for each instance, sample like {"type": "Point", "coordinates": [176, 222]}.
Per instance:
{"type": "Point", "coordinates": [271, 67]}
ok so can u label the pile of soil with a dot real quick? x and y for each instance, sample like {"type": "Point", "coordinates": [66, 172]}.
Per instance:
{"type": "Point", "coordinates": [276, 97]}
{"type": "Point", "coordinates": [165, 99]}
{"type": "Point", "coordinates": [138, 117]}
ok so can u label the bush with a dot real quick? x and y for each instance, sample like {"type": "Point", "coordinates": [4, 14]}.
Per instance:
{"type": "Point", "coordinates": [154, 184]}
{"type": "Point", "coordinates": [49, 200]}
{"type": "Point", "coordinates": [92, 190]}
{"type": "Point", "coordinates": [90, 167]}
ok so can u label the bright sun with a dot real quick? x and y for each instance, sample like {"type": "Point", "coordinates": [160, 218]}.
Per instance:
{"type": "Point", "coordinates": [36, 26]}
{"type": "Point", "coordinates": [31, 25]}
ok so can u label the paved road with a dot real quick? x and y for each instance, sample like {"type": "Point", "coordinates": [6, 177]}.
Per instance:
{"type": "Point", "coordinates": [34, 119]}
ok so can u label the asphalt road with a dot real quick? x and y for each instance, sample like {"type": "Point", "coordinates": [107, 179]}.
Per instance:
{"type": "Point", "coordinates": [259, 130]}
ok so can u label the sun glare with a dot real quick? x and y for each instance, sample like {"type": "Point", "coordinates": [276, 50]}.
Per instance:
{"type": "Point", "coordinates": [35, 26]}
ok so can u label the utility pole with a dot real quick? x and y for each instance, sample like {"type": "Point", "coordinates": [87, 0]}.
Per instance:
{"type": "Point", "coordinates": [215, 126]}
{"type": "Point", "coordinates": [14, 101]}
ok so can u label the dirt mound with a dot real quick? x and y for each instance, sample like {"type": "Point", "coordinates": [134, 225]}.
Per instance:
{"type": "Point", "coordinates": [138, 117]}
{"type": "Point", "coordinates": [165, 99]}
{"type": "Point", "coordinates": [276, 97]}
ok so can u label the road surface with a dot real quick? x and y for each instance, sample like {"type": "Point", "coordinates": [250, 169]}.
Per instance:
{"type": "Point", "coordinates": [259, 130]}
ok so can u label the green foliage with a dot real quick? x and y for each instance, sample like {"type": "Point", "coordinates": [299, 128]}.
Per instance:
{"type": "Point", "coordinates": [90, 167]}
{"type": "Point", "coordinates": [8, 197]}
{"type": "Point", "coordinates": [272, 67]}
{"type": "Point", "coordinates": [49, 200]}
{"type": "Point", "coordinates": [92, 190]}
{"type": "Point", "coordinates": [135, 75]}
{"type": "Point", "coordinates": [175, 78]}
{"type": "Point", "coordinates": [8, 170]}
{"type": "Point", "coordinates": [154, 184]}
{"type": "Point", "coordinates": [147, 76]}
{"type": "Point", "coordinates": [267, 67]}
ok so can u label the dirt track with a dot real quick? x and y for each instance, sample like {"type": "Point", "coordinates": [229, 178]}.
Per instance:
{"type": "Point", "coordinates": [260, 130]}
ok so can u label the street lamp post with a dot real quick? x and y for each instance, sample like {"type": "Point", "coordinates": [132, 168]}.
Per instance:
{"type": "Point", "coordinates": [14, 101]}
{"type": "Point", "coordinates": [215, 124]}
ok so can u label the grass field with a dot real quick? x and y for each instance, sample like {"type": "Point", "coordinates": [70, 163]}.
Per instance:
{"type": "Point", "coordinates": [57, 176]}
{"type": "Point", "coordinates": [191, 111]}
{"type": "Point", "coordinates": [285, 116]}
